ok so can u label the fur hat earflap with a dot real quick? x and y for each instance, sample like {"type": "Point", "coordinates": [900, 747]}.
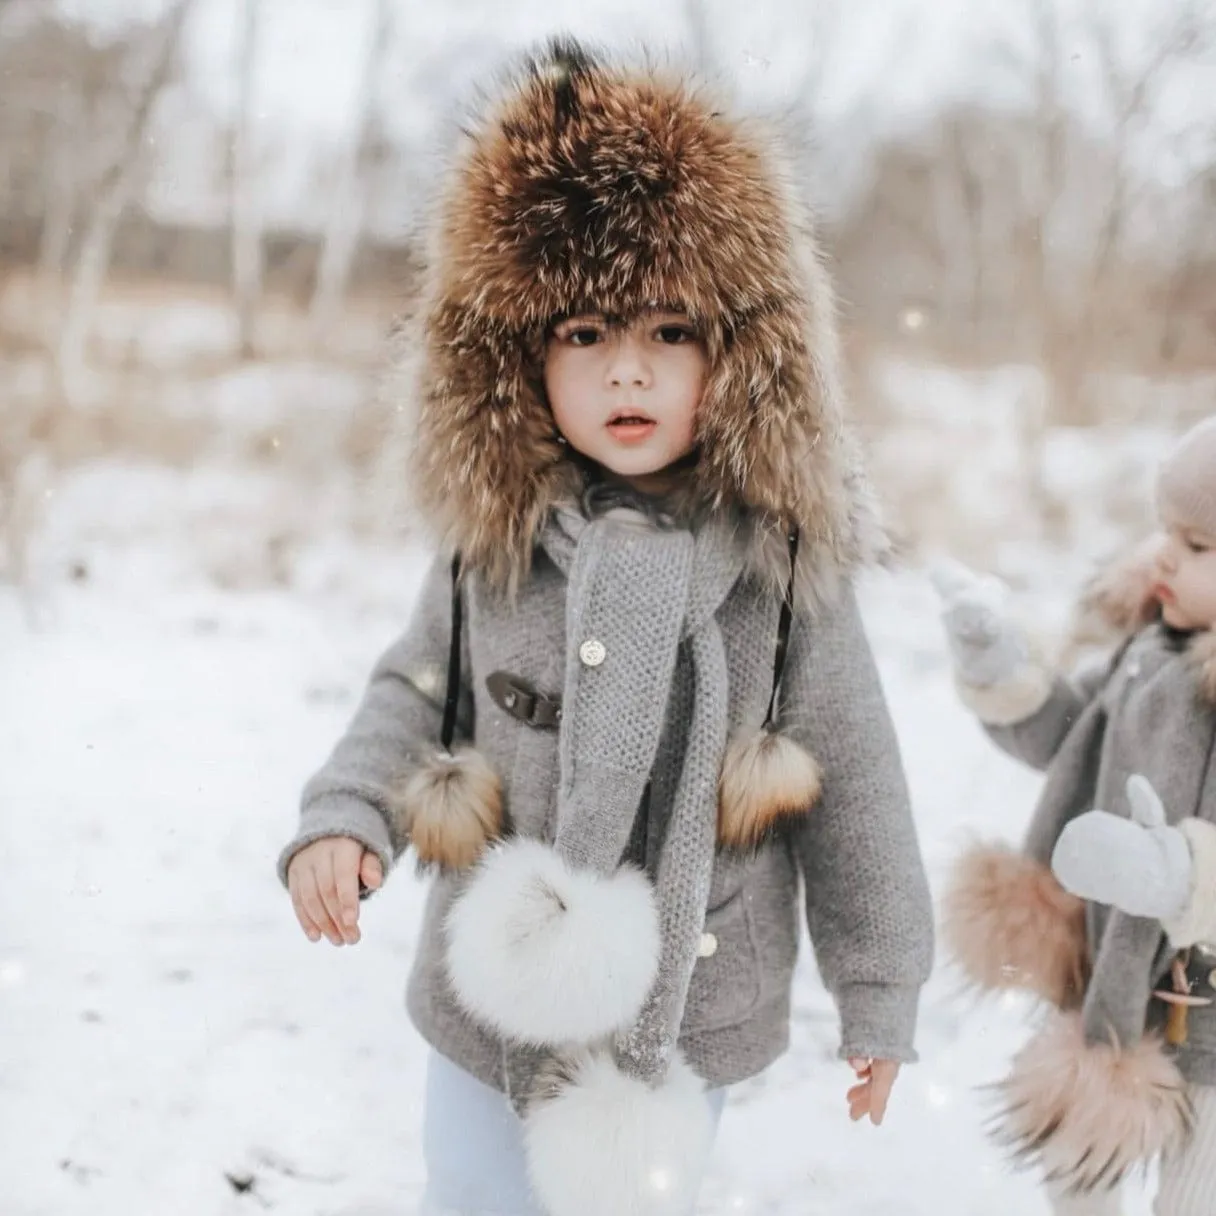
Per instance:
{"type": "Point", "coordinates": [767, 778]}
{"type": "Point", "coordinates": [1089, 1114]}
{"type": "Point", "coordinates": [449, 808]}
{"type": "Point", "coordinates": [1009, 924]}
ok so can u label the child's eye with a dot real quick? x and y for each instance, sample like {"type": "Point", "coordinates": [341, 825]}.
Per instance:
{"type": "Point", "coordinates": [583, 335]}
{"type": "Point", "coordinates": [1196, 546]}
{"type": "Point", "coordinates": [673, 335]}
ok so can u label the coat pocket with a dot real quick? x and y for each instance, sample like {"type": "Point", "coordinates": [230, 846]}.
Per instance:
{"type": "Point", "coordinates": [727, 979]}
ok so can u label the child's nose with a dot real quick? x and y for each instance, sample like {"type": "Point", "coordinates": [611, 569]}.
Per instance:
{"type": "Point", "coordinates": [1167, 557]}
{"type": "Point", "coordinates": [628, 366]}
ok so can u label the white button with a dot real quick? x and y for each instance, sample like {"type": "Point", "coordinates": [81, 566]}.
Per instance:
{"type": "Point", "coordinates": [708, 946]}
{"type": "Point", "coordinates": [592, 652]}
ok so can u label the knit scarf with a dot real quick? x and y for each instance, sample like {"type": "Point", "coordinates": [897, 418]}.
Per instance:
{"type": "Point", "coordinates": [674, 582]}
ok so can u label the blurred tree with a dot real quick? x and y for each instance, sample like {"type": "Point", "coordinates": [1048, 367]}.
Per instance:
{"type": "Point", "coordinates": [352, 184]}
{"type": "Point", "coordinates": [247, 258]}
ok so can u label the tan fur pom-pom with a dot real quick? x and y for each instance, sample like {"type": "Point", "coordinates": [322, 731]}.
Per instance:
{"type": "Point", "coordinates": [1090, 1113]}
{"type": "Point", "coordinates": [766, 777]}
{"type": "Point", "coordinates": [450, 808]}
{"type": "Point", "coordinates": [1008, 923]}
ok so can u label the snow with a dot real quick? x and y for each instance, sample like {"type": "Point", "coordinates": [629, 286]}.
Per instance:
{"type": "Point", "coordinates": [167, 1035]}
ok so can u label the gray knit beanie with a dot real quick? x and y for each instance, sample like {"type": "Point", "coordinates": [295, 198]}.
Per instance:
{"type": "Point", "coordinates": [1186, 484]}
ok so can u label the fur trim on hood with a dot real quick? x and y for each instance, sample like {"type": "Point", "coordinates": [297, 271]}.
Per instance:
{"type": "Point", "coordinates": [591, 186]}
{"type": "Point", "coordinates": [1118, 601]}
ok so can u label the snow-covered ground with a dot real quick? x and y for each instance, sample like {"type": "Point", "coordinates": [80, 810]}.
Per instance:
{"type": "Point", "coordinates": [171, 1043]}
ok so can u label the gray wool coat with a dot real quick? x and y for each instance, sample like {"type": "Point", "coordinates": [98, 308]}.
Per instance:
{"type": "Point", "coordinates": [1147, 710]}
{"type": "Point", "coordinates": [852, 861]}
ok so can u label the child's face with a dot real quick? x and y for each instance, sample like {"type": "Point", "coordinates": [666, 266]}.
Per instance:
{"type": "Point", "coordinates": [1186, 578]}
{"type": "Point", "coordinates": [626, 396]}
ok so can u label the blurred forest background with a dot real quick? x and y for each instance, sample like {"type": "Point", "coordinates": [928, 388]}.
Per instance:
{"type": "Point", "coordinates": [209, 212]}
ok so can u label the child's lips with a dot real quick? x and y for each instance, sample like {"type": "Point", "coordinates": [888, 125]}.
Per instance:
{"type": "Point", "coordinates": [631, 428]}
{"type": "Point", "coordinates": [1163, 593]}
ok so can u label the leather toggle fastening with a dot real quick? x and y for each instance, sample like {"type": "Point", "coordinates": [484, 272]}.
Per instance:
{"type": "Point", "coordinates": [518, 698]}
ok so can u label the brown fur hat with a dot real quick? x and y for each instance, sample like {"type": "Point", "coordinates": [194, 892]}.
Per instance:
{"type": "Point", "coordinates": [591, 186]}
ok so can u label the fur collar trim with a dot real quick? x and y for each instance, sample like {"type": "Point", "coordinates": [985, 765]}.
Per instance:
{"type": "Point", "coordinates": [1118, 602]}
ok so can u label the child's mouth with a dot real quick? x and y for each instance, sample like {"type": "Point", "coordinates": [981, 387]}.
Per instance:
{"type": "Point", "coordinates": [631, 428]}
{"type": "Point", "coordinates": [1164, 594]}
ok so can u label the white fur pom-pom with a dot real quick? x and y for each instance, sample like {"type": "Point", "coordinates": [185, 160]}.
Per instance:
{"type": "Point", "coordinates": [611, 1145]}
{"type": "Point", "coordinates": [550, 955]}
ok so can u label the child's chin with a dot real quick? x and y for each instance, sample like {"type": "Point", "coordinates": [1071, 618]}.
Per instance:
{"type": "Point", "coordinates": [1176, 618]}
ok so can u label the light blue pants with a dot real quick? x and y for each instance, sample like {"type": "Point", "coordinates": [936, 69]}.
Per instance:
{"type": "Point", "coordinates": [472, 1143]}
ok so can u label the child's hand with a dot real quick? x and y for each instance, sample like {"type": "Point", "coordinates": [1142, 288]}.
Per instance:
{"type": "Point", "coordinates": [323, 879]}
{"type": "Point", "coordinates": [877, 1079]}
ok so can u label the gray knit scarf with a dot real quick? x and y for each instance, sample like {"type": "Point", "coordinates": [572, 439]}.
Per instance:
{"type": "Point", "coordinates": [691, 575]}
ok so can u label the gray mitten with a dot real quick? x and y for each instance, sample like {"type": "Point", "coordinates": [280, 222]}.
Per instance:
{"type": "Point", "coordinates": [1140, 865]}
{"type": "Point", "coordinates": [987, 648]}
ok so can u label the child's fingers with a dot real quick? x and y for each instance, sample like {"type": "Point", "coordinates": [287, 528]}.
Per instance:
{"type": "Point", "coordinates": [346, 882]}
{"type": "Point", "coordinates": [884, 1075]}
{"type": "Point", "coordinates": [327, 881]}
{"type": "Point", "coordinates": [313, 895]}
{"type": "Point", "coordinates": [311, 931]}
{"type": "Point", "coordinates": [371, 872]}
{"type": "Point", "coordinates": [859, 1101]}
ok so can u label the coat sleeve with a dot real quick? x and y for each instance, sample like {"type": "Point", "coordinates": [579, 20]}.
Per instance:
{"type": "Point", "coordinates": [1037, 735]}
{"type": "Point", "coordinates": [867, 897]}
{"type": "Point", "coordinates": [396, 724]}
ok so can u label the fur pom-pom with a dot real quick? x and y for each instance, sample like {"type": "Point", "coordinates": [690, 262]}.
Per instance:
{"type": "Point", "coordinates": [1087, 1113]}
{"type": "Point", "coordinates": [766, 778]}
{"type": "Point", "coordinates": [606, 1144]}
{"type": "Point", "coordinates": [549, 955]}
{"type": "Point", "coordinates": [1119, 598]}
{"type": "Point", "coordinates": [450, 808]}
{"type": "Point", "coordinates": [1008, 923]}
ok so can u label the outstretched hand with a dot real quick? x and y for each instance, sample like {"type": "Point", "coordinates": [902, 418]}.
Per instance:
{"type": "Point", "coordinates": [324, 879]}
{"type": "Point", "coordinates": [870, 1096]}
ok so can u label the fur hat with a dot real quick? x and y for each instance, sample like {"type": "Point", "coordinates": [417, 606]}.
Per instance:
{"type": "Point", "coordinates": [1186, 484]}
{"type": "Point", "coordinates": [596, 187]}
